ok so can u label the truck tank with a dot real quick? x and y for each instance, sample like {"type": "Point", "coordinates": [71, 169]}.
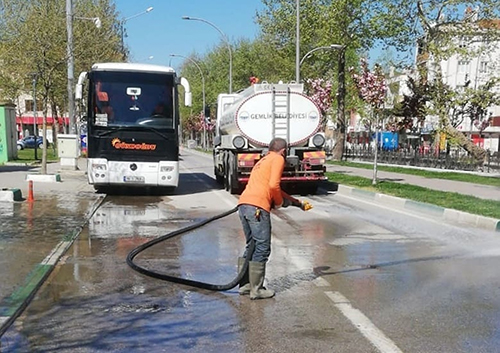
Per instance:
{"type": "Point", "coordinates": [251, 114]}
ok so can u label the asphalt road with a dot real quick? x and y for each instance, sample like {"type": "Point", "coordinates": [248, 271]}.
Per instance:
{"type": "Point", "coordinates": [349, 276]}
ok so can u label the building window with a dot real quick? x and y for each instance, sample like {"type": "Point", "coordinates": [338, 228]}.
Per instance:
{"type": "Point", "coordinates": [483, 66]}
{"type": "Point", "coordinates": [462, 66]}
{"type": "Point", "coordinates": [28, 104]}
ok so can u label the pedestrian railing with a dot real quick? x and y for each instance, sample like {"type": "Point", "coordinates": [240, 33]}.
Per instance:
{"type": "Point", "coordinates": [454, 160]}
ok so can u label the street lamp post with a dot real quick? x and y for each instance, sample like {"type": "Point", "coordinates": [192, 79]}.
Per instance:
{"type": "Point", "coordinates": [297, 41]}
{"type": "Point", "coordinates": [122, 25]}
{"type": "Point", "coordinates": [71, 65]}
{"type": "Point", "coordinates": [203, 95]}
{"type": "Point", "coordinates": [71, 60]}
{"type": "Point", "coordinates": [34, 112]}
{"type": "Point", "coordinates": [331, 46]}
{"type": "Point", "coordinates": [224, 37]}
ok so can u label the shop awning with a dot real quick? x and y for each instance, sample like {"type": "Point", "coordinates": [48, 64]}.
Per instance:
{"type": "Point", "coordinates": [29, 120]}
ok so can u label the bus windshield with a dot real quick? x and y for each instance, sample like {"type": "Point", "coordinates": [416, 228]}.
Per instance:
{"type": "Point", "coordinates": [135, 99]}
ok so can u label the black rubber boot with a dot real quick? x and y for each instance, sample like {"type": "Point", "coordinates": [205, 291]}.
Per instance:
{"type": "Point", "coordinates": [244, 283]}
{"type": "Point", "coordinates": [257, 272]}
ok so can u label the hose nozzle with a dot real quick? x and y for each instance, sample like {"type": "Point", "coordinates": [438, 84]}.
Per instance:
{"type": "Point", "coordinates": [303, 205]}
{"type": "Point", "coordinates": [306, 206]}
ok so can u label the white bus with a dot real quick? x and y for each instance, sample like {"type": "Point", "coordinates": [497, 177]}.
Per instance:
{"type": "Point", "coordinates": [132, 124]}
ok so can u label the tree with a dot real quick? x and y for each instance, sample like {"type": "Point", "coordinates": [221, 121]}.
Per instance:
{"type": "Point", "coordinates": [320, 91]}
{"type": "Point", "coordinates": [343, 22]}
{"type": "Point", "coordinates": [440, 29]}
{"type": "Point", "coordinates": [39, 28]}
{"type": "Point", "coordinates": [372, 90]}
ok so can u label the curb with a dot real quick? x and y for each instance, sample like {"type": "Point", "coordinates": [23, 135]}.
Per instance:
{"type": "Point", "coordinates": [448, 214]}
{"type": "Point", "coordinates": [13, 306]}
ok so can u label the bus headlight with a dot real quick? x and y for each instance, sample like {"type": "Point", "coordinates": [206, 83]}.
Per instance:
{"type": "Point", "coordinates": [97, 166]}
{"type": "Point", "coordinates": [318, 140]}
{"type": "Point", "coordinates": [238, 142]}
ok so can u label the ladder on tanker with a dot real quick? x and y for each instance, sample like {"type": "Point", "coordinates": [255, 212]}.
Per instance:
{"type": "Point", "coordinates": [281, 113]}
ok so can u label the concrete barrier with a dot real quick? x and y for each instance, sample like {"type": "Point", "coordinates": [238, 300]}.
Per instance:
{"type": "Point", "coordinates": [11, 195]}
{"type": "Point", "coordinates": [44, 178]}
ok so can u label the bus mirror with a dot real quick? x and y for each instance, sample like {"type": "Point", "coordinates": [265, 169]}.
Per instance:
{"type": "Point", "coordinates": [79, 85]}
{"type": "Point", "coordinates": [187, 99]}
{"type": "Point", "coordinates": [78, 92]}
{"type": "Point", "coordinates": [187, 91]}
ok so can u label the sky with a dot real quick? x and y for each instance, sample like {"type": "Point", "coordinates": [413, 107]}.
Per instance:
{"type": "Point", "coordinates": [153, 36]}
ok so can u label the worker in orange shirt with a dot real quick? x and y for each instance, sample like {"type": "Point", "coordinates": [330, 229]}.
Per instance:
{"type": "Point", "coordinates": [262, 193]}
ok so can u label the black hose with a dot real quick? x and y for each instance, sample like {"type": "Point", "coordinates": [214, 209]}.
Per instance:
{"type": "Point", "coordinates": [189, 282]}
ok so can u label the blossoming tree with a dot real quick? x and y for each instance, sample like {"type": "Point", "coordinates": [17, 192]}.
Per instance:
{"type": "Point", "coordinates": [372, 89]}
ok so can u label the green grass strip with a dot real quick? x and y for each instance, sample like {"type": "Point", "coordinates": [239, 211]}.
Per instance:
{"type": "Point", "coordinates": [11, 304]}
{"type": "Point", "coordinates": [28, 155]}
{"type": "Point", "coordinates": [469, 178]}
{"type": "Point", "coordinates": [453, 200]}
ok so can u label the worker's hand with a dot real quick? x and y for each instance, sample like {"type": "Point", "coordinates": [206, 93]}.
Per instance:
{"type": "Point", "coordinates": [286, 203]}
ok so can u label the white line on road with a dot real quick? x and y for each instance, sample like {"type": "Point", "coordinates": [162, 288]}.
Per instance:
{"type": "Point", "coordinates": [363, 324]}
{"type": "Point", "coordinates": [321, 282]}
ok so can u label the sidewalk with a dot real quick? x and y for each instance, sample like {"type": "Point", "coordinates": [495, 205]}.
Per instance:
{"type": "Point", "coordinates": [34, 235]}
{"type": "Point", "coordinates": [14, 176]}
{"type": "Point", "coordinates": [486, 192]}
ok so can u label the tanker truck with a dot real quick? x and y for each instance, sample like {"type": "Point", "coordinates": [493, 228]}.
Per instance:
{"type": "Point", "coordinates": [248, 120]}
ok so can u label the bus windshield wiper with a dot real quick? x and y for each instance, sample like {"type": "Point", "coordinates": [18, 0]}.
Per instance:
{"type": "Point", "coordinates": [113, 130]}
{"type": "Point", "coordinates": [156, 131]}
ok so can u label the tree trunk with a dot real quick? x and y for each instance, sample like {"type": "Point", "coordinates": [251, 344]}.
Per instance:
{"type": "Point", "coordinates": [339, 135]}
{"type": "Point", "coordinates": [477, 152]}
{"type": "Point", "coordinates": [338, 147]}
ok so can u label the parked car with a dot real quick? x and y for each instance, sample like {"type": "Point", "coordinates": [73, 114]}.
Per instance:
{"type": "Point", "coordinates": [29, 142]}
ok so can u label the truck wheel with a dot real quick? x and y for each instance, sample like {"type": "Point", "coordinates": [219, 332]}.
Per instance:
{"type": "Point", "coordinates": [218, 178]}
{"type": "Point", "coordinates": [233, 184]}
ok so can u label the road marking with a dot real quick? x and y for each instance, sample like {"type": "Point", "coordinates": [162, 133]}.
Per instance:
{"type": "Point", "coordinates": [426, 217]}
{"type": "Point", "coordinates": [363, 324]}
{"type": "Point", "coordinates": [321, 282]}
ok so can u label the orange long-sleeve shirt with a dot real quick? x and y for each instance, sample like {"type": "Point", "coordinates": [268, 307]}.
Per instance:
{"type": "Point", "coordinates": [263, 187]}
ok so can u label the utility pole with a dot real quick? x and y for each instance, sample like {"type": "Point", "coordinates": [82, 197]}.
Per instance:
{"type": "Point", "coordinates": [34, 112]}
{"type": "Point", "coordinates": [71, 65]}
{"type": "Point", "coordinates": [297, 42]}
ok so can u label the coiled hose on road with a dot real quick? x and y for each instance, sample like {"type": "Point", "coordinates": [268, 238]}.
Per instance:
{"type": "Point", "coordinates": [189, 282]}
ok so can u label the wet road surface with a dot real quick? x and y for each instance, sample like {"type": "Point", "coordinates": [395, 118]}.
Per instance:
{"type": "Point", "coordinates": [349, 277]}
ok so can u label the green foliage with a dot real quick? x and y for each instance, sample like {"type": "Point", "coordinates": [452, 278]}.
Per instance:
{"type": "Point", "coordinates": [34, 38]}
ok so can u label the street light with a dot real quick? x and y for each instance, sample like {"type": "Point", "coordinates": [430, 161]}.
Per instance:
{"type": "Point", "coordinates": [71, 60]}
{"type": "Point", "coordinates": [297, 41]}
{"type": "Point", "coordinates": [331, 46]}
{"type": "Point", "coordinates": [96, 20]}
{"type": "Point", "coordinates": [122, 24]}
{"type": "Point", "coordinates": [203, 95]}
{"type": "Point", "coordinates": [224, 37]}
